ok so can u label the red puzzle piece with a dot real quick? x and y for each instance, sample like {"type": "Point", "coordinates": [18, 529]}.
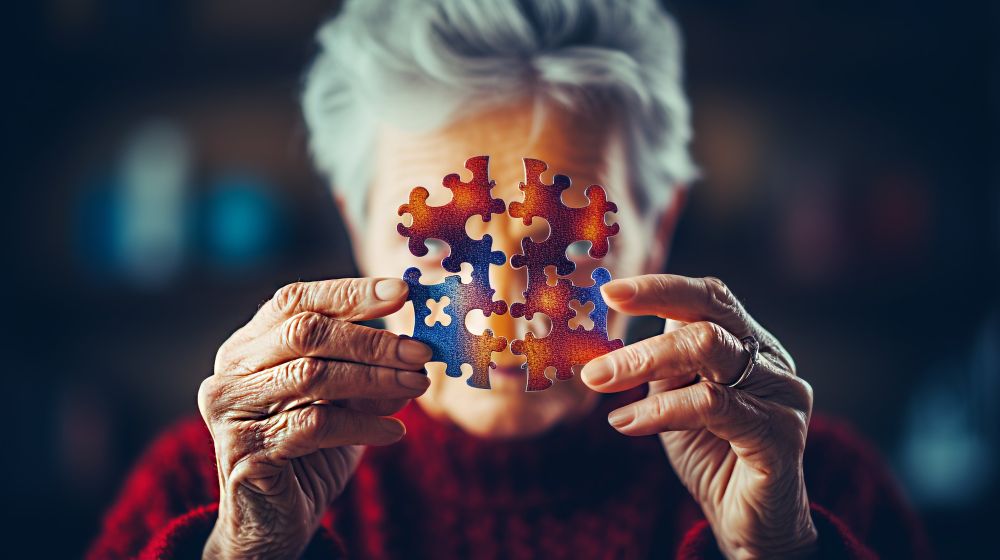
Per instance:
{"type": "Point", "coordinates": [562, 347]}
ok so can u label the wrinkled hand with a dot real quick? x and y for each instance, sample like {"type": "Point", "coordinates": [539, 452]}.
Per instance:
{"type": "Point", "coordinates": [737, 450]}
{"type": "Point", "coordinates": [295, 394]}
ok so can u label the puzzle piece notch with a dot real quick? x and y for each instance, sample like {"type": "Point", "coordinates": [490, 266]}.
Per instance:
{"type": "Point", "coordinates": [453, 344]}
{"type": "Point", "coordinates": [581, 314]}
{"type": "Point", "coordinates": [436, 312]}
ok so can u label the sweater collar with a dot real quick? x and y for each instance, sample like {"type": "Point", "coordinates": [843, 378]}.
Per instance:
{"type": "Point", "coordinates": [552, 468]}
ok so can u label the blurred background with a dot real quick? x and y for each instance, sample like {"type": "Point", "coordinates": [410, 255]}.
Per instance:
{"type": "Point", "coordinates": [162, 190]}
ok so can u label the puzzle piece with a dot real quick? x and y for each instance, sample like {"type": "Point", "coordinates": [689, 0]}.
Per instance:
{"type": "Point", "coordinates": [567, 225]}
{"type": "Point", "coordinates": [447, 222]}
{"type": "Point", "coordinates": [563, 347]}
{"type": "Point", "coordinates": [454, 344]}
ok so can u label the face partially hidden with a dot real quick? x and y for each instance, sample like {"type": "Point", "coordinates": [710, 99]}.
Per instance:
{"type": "Point", "coordinates": [589, 150]}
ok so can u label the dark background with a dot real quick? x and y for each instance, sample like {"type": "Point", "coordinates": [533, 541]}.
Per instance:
{"type": "Point", "coordinates": [159, 189]}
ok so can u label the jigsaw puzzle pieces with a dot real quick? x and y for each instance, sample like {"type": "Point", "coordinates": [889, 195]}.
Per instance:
{"type": "Point", "coordinates": [453, 344]}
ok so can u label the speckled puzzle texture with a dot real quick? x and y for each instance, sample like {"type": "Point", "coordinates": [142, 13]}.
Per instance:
{"type": "Point", "coordinates": [562, 347]}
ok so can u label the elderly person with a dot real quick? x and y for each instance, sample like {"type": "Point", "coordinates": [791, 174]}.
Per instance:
{"type": "Point", "coordinates": [308, 445]}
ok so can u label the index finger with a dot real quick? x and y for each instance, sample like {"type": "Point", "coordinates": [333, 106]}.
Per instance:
{"type": "Point", "coordinates": [691, 300]}
{"type": "Point", "coordinates": [345, 299]}
{"type": "Point", "coordinates": [670, 296]}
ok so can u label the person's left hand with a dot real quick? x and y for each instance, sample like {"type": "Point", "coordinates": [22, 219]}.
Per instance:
{"type": "Point", "coordinates": [737, 450]}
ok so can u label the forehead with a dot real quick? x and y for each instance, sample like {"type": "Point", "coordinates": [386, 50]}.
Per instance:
{"type": "Point", "coordinates": [586, 147]}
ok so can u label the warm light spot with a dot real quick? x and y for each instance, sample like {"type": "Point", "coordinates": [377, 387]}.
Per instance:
{"type": "Point", "coordinates": [463, 198]}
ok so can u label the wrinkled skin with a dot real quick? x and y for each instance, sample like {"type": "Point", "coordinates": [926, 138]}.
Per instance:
{"type": "Point", "coordinates": [295, 394]}
{"type": "Point", "coordinates": [737, 450]}
{"type": "Point", "coordinates": [299, 389]}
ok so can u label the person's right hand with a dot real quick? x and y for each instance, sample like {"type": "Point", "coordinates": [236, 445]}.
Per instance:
{"type": "Point", "coordinates": [295, 394]}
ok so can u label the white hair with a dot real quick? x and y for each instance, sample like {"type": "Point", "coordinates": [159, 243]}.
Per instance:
{"type": "Point", "coordinates": [415, 62]}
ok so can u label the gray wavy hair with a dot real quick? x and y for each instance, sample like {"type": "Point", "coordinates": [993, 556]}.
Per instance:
{"type": "Point", "coordinates": [414, 63]}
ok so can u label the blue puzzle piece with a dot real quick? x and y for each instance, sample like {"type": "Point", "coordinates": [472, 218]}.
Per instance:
{"type": "Point", "coordinates": [453, 344]}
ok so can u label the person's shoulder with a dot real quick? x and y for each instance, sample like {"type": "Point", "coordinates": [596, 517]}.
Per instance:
{"type": "Point", "coordinates": [834, 440]}
{"type": "Point", "coordinates": [840, 464]}
{"type": "Point", "coordinates": [174, 475]}
{"type": "Point", "coordinates": [183, 452]}
{"type": "Point", "coordinates": [849, 479]}
{"type": "Point", "coordinates": [187, 436]}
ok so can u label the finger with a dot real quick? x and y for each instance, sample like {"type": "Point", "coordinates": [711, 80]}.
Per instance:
{"type": "Point", "coordinates": [679, 356]}
{"type": "Point", "coordinates": [313, 335]}
{"type": "Point", "coordinates": [378, 407]}
{"type": "Point", "coordinates": [682, 298]}
{"type": "Point", "coordinates": [347, 299]}
{"type": "Point", "coordinates": [306, 380]}
{"type": "Point", "coordinates": [318, 379]}
{"type": "Point", "coordinates": [690, 300]}
{"type": "Point", "coordinates": [303, 431]}
{"type": "Point", "coordinates": [731, 415]}
{"type": "Point", "coordinates": [670, 325]}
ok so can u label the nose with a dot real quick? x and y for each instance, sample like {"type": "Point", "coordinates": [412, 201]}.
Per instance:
{"type": "Point", "coordinates": [508, 282]}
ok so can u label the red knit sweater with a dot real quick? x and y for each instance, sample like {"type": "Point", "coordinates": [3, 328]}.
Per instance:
{"type": "Point", "coordinates": [578, 492]}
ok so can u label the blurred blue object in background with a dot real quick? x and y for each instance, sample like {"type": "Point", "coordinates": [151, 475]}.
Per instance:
{"type": "Point", "coordinates": [948, 450]}
{"type": "Point", "coordinates": [241, 220]}
{"type": "Point", "coordinates": [134, 222]}
{"type": "Point", "coordinates": [95, 225]}
{"type": "Point", "coordinates": [143, 223]}
{"type": "Point", "coordinates": [154, 170]}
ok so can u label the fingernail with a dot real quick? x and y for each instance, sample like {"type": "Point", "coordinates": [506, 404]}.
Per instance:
{"type": "Point", "coordinates": [389, 289]}
{"type": "Point", "coordinates": [413, 380]}
{"type": "Point", "coordinates": [414, 352]}
{"type": "Point", "coordinates": [596, 372]}
{"type": "Point", "coordinates": [393, 428]}
{"type": "Point", "coordinates": [620, 290]}
{"type": "Point", "coordinates": [621, 417]}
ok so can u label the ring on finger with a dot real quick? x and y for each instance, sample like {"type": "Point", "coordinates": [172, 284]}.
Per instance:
{"type": "Point", "coordinates": [752, 346]}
